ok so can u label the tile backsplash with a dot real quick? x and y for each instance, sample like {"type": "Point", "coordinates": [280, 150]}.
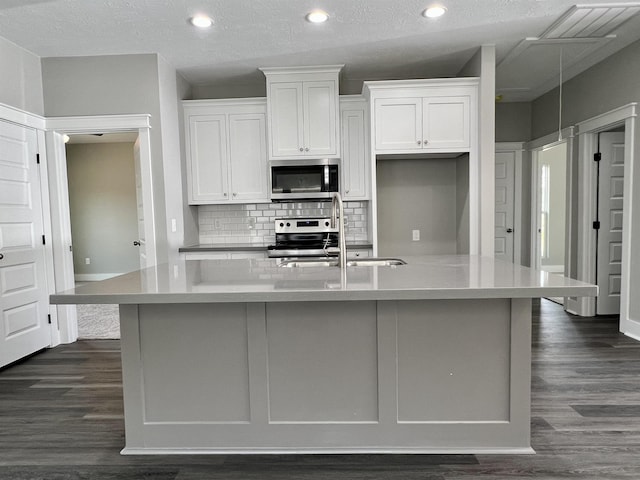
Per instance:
{"type": "Point", "coordinates": [254, 223]}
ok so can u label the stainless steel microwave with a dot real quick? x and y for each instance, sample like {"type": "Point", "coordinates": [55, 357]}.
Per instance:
{"type": "Point", "coordinates": [306, 179]}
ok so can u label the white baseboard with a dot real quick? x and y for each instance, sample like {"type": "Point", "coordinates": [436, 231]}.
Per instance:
{"type": "Point", "coordinates": [94, 277]}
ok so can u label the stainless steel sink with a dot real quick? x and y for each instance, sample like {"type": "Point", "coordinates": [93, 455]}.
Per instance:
{"type": "Point", "coordinates": [360, 262]}
{"type": "Point", "coordinates": [308, 263]}
{"type": "Point", "coordinates": [376, 262]}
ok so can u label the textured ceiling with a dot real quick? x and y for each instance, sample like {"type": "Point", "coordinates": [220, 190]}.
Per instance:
{"type": "Point", "coordinates": [375, 39]}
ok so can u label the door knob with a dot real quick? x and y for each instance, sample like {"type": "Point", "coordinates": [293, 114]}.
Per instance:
{"type": "Point", "coordinates": [509, 230]}
{"type": "Point", "coordinates": [136, 243]}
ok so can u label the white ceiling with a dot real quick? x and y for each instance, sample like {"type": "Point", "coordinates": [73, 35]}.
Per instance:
{"type": "Point", "coordinates": [375, 39]}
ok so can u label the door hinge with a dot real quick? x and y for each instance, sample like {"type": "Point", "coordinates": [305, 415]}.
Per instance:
{"type": "Point", "coordinates": [38, 158]}
{"type": "Point", "coordinates": [49, 318]}
{"type": "Point", "coordinates": [44, 242]}
{"type": "Point", "coordinates": [596, 225]}
{"type": "Point", "coordinates": [597, 157]}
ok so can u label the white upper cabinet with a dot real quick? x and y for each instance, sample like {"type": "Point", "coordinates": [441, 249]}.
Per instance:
{"type": "Point", "coordinates": [426, 116]}
{"type": "Point", "coordinates": [226, 151]}
{"type": "Point", "coordinates": [355, 147]}
{"type": "Point", "coordinates": [302, 106]}
{"type": "Point", "coordinates": [247, 155]}
{"type": "Point", "coordinates": [208, 179]}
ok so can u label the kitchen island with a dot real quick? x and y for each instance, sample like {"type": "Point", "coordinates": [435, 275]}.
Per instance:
{"type": "Point", "coordinates": [244, 356]}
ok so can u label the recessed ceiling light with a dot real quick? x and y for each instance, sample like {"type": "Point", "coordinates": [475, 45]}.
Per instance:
{"type": "Point", "coordinates": [317, 16]}
{"type": "Point", "coordinates": [434, 11]}
{"type": "Point", "coordinates": [201, 21]}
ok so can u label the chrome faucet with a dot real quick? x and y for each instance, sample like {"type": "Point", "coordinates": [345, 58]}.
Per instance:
{"type": "Point", "coordinates": [337, 215]}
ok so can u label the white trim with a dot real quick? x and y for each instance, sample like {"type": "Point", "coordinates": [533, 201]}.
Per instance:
{"type": "Point", "coordinates": [588, 139]}
{"type": "Point", "coordinates": [606, 120]}
{"type": "Point", "coordinates": [551, 140]}
{"type": "Point", "coordinates": [629, 326]}
{"type": "Point", "coordinates": [20, 117]}
{"type": "Point", "coordinates": [569, 233]}
{"type": "Point", "coordinates": [112, 123]}
{"type": "Point", "coordinates": [223, 102]}
{"type": "Point", "coordinates": [510, 146]}
{"type": "Point", "coordinates": [61, 235]}
{"type": "Point", "coordinates": [376, 85]}
{"type": "Point", "coordinates": [95, 277]}
{"type": "Point", "coordinates": [320, 450]}
{"type": "Point", "coordinates": [535, 147]}
{"type": "Point", "coordinates": [43, 179]}
{"type": "Point", "coordinates": [59, 193]}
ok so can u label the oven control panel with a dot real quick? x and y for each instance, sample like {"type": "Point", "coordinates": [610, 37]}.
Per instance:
{"type": "Point", "coordinates": [304, 225]}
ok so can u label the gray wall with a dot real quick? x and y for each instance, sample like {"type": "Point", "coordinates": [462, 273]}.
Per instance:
{"type": "Point", "coordinates": [610, 84]}
{"type": "Point", "coordinates": [117, 84]}
{"type": "Point", "coordinates": [102, 199]}
{"type": "Point", "coordinates": [173, 88]}
{"type": "Point", "coordinates": [462, 205]}
{"type": "Point", "coordinates": [513, 122]}
{"type": "Point", "coordinates": [21, 78]}
{"type": "Point", "coordinates": [190, 212]}
{"type": "Point", "coordinates": [417, 194]}
{"type": "Point", "coordinates": [225, 90]}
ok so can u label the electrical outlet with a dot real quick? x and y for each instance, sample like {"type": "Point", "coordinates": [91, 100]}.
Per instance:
{"type": "Point", "coordinates": [415, 235]}
{"type": "Point", "coordinates": [87, 261]}
{"type": "Point", "coordinates": [174, 225]}
{"type": "Point", "coordinates": [217, 224]}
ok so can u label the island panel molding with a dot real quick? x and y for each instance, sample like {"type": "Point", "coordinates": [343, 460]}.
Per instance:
{"type": "Point", "coordinates": [328, 377]}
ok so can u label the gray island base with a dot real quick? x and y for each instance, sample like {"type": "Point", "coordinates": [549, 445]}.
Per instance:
{"type": "Point", "coordinates": [233, 356]}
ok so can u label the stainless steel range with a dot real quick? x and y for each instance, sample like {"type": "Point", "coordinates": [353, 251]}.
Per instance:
{"type": "Point", "coordinates": [304, 237]}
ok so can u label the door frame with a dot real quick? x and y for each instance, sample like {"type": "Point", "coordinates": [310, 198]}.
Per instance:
{"type": "Point", "coordinates": [518, 149]}
{"type": "Point", "coordinates": [588, 131]}
{"type": "Point", "coordinates": [535, 147]}
{"type": "Point", "coordinates": [60, 213]}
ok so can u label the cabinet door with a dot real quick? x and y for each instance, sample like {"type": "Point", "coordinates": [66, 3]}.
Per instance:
{"type": "Point", "coordinates": [286, 119]}
{"type": "Point", "coordinates": [248, 157]}
{"type": "Point", "coordinates": [446, 122]}
{"type": "Point", "coordinates": [398, 123]}
{"type": "Point", "coordinates": [355, 176]}
{"type": "Point", "coordinates": [208, 158]}
{"type": "Point", "coordinates": [320, 125]}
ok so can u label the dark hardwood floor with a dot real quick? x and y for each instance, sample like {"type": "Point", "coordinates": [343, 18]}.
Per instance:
{"type": "Point", "coordinates": [61, 418]}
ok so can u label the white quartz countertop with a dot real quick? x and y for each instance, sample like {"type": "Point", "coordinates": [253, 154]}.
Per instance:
{"type": "Point", "coordinates": [262, 280]}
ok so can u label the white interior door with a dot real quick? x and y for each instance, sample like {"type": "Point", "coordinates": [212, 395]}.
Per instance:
{"type": "Point", "coordinates": [141, 241]}
{"type": "Point", "coordinates": [505, 201]}
{"type": "Point", "coordinates": [610, 198]}
{"type": "Point", "coordinates": [24, 326]}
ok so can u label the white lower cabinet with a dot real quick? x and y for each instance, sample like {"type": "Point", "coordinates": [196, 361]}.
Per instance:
{"type": "Point", "coordinates": [226, 151]}
{"type": "Point", "coordinates": [355, 147]}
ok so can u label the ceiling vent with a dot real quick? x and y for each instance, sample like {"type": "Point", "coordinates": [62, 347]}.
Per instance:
{"type": "Point", "coordinates": [591, 21]}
